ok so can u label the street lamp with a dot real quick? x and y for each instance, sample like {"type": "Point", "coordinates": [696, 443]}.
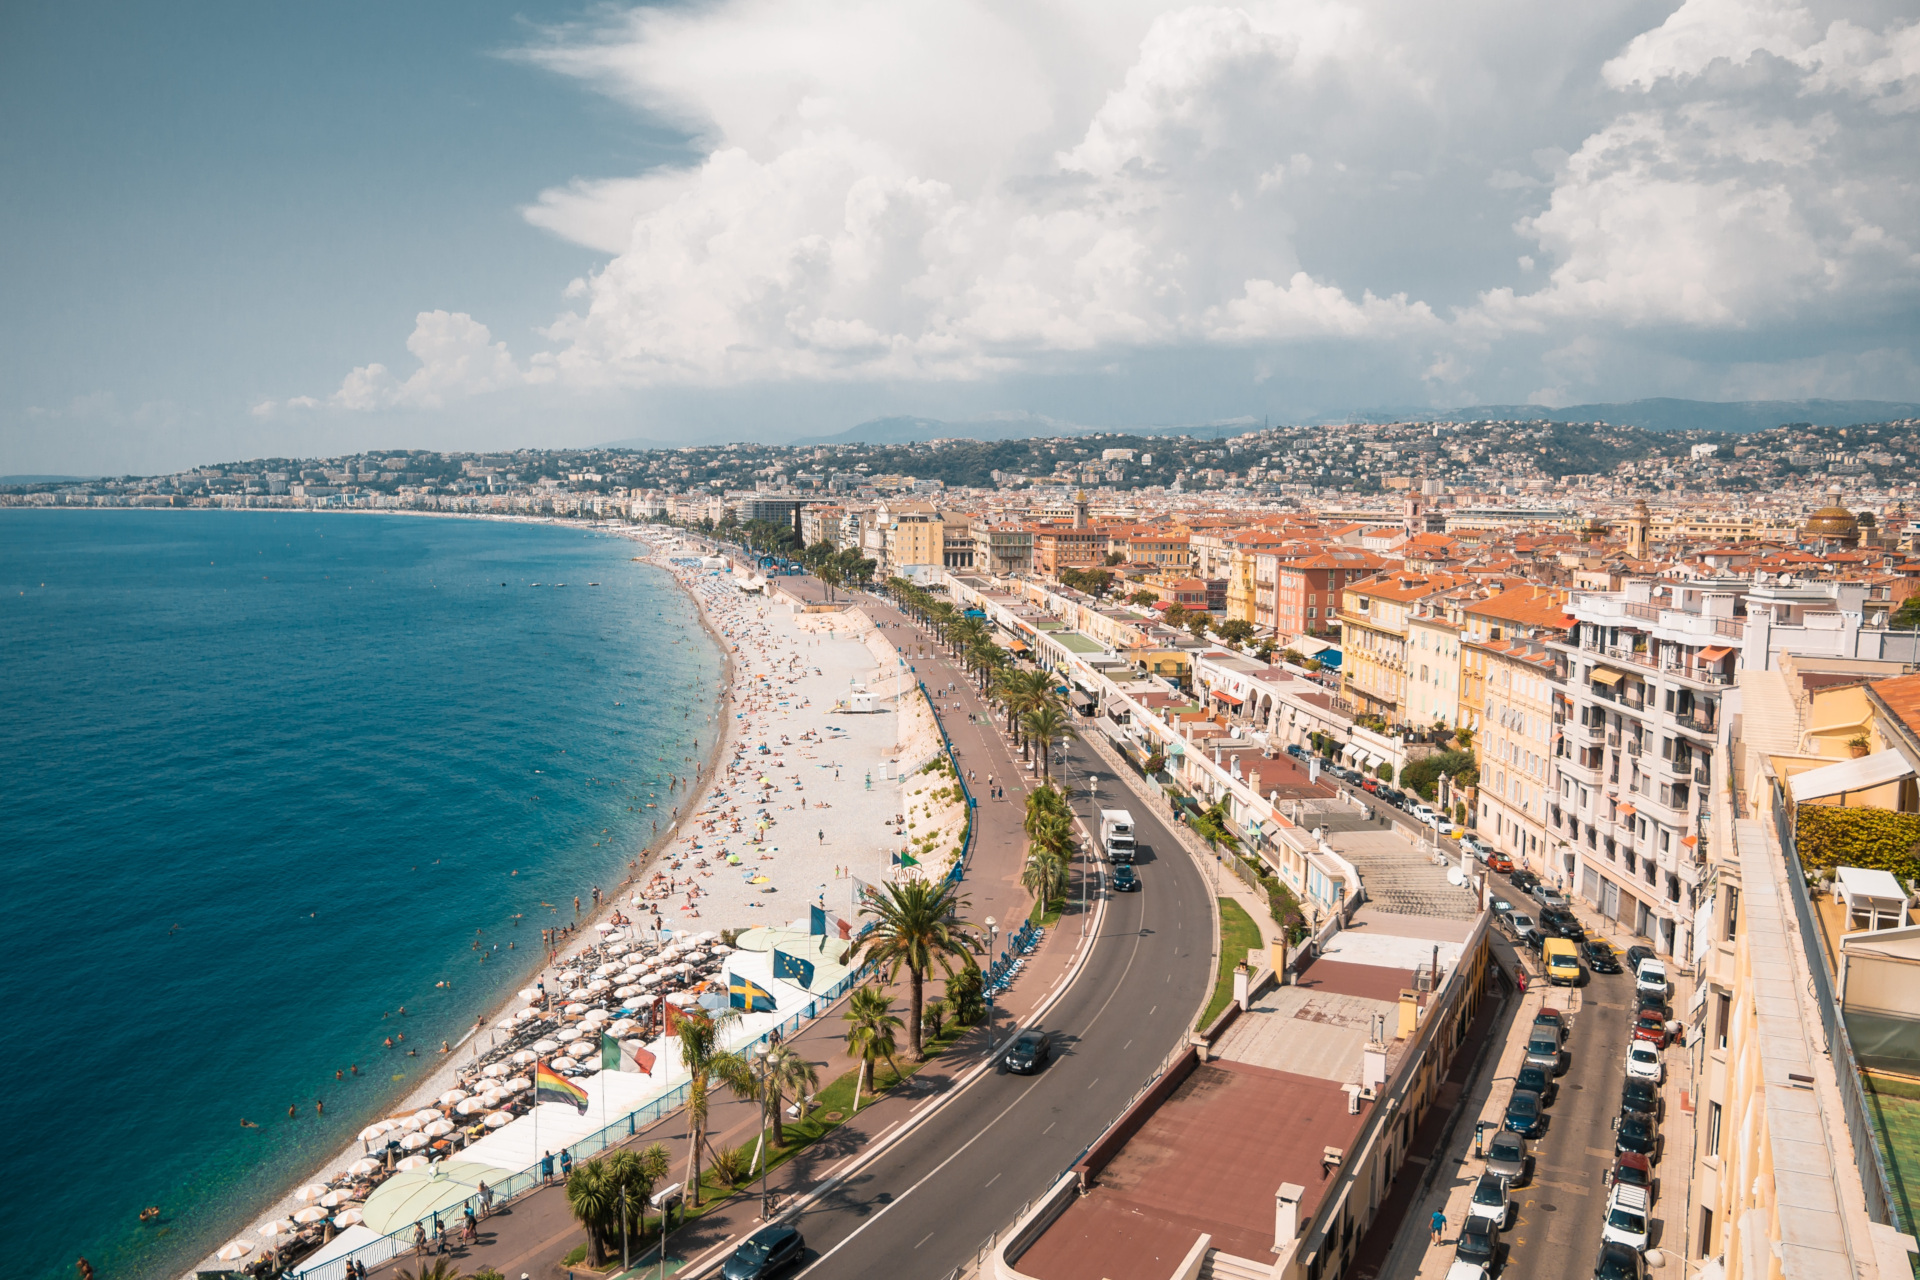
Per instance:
{"type": "Point", "coordinates": [993, 935]}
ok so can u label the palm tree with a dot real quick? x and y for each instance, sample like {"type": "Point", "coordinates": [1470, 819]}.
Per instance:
{"type": "Point", "coordinates": [1046, 725]}
{"type": "Point", "coordinates": [594, 1200]}
{"type": "Point", "coordinates": [871, 1037]}
{"type": "Point", "coordinates": [637, 1173]}
{"type": "Point", "coordinates": [914, 927]}
{"type": "Point", "coordinates": [1211, 826]}
{"type": "Point", "coordinates": [706, 1062]}
{"type": "Point", "coordinates": [782, 1073]}
{"type": "Point", "coordinates": [1041, 876]}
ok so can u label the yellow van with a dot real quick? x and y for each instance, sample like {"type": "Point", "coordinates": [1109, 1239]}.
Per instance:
{"type": "Point", "coordinates": [1563, 962]}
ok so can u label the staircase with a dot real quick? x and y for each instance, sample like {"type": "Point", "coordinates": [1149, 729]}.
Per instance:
{"type": "Point", "coordinates": [1224, 1266]}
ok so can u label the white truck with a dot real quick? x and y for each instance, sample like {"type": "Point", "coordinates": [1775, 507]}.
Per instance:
{"type": "Point", "coordinates": [1116, 835]}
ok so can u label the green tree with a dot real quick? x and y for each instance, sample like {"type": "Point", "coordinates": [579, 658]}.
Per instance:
{"type": "Point", "coordinates": [781, 1073]}
{"type": "Point", "coordinates": [965, 995]}
{"type": "Point", "coordinates": [1211, 826]}
{"type": "Point", "coordinates": [1199, 624]}
{"type": "Point", "coordinates": [1907, 616]}
{"type": "Point", "coordinates": [1143, 598]}
{"type": "Point", "coordinates": [915, 928]}
{"type": "Point", "coordinates": [707, 1063]}
{"type": "Point", "coordinates": [1235, 631]}
{"type": "Point", "coordinates": [871, 1037]}
{"type": "Point", "coordinates": [1045, 726]}
{"type": "Point", "coordinates": [1422, 775]}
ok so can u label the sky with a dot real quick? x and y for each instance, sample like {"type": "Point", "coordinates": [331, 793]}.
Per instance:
{"type": "Point", "coordinates": [235, 230]}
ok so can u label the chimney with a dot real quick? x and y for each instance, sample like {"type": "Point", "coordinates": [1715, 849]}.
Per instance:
{"type": "Point", "coordinates": [1286, 1215]}
{"type": "Point", "coordinates": [1240, 980]}
{"type": "Point", "coordinates": [1409, 1013]}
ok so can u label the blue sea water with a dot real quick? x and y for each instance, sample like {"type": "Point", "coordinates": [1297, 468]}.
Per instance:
{"type": "Point", "coordinates": [265, 779]}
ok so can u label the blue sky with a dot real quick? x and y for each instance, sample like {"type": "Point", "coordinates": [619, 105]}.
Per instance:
{"type": "Point", "coordinates": [234, 231]}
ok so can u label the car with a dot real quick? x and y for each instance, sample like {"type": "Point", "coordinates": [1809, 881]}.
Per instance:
{"type": "Point", "coordinates": [1635, 955]}
{"type": "Point", "coordinates": [1547, 897]}
{"type": "Point", "coordinates": [1651, 976]}
{"type": "Point", "coordinates": [1524, 880]}
{"type": "Point", "coordinates": [763, 1253]}
{"type": "Point", "coordinates": [1478, 1241]}
{"type": "Point", "coordinates": [1640, 1095]}
{"type": "Point", "coordinates": [1521, 924]}
{"type": "Point", "coordinates": [1548, 1016]}
{"type": "Point", "coordinates": [1535, 1079]}
{"type": "Point", "coordinates": [1370, 784]}
{"type": "Point", "coordinates": [1463, 1270]}
{"type": "Point", "coordinates": [1506, 1156]}
{"type": "Point", "coordinates": [1535, 941]}
{"type": "Point", "coordinates": [1500, 862]}
{"type": "Point", "coordinates": [1125, 880]}
{"type": "Point", "coordinates": [1626, 1220]}
{"type": "Point", "coordinates": [1473, 848]}
{"type": "Point", "coordinates": [1295, 750]}
{"type": "Point", "coordinates": [1645, 1000]}
{"type": "Point", "coordinates": [1636, 1133]}
{"type": "Point", "coordinates": [1525, 1114]}
{"type": "Point", "coordinates": [1601, 957]}
{"type": "Point", "coordinates": [1489, 1199]}
{"type": "Point", "coordinates": [1619, 1262]}
{"type": "Point", "coordinates": [1558, 922]}
{"type": "Point", "coordinates": [1643, 1062]}
{"type": "Point", "coordinates": [1029, 1051]}
{"type": "Point", "coordinates": [1393, 796]}
{"type": "Point", "coordinates": [1499, 905]}
{"type": "Point", "coordinates": [1651, 1027]}
{"type": "Point", "coordinates": [1630, 1170]}
{"type": "Point", "coordinates": [1423, 812]}
{"type": "Point", "coordinates": [1543, 1050]}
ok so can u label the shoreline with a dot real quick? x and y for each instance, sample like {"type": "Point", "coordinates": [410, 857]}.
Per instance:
{"type": "Point", "coordinates": [443, 1077]}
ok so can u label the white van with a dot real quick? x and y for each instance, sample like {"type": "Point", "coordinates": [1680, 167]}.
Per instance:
{"type": "Point", "coordinates": [1651, 977]}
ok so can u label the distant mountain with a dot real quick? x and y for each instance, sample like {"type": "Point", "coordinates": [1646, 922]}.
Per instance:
{"type": "Point", "coordinates": [1673, 415]}
{"type": "Point", "coordinates": [1024, 427]}
{"type": "Point", "coordinates": [27, 479]}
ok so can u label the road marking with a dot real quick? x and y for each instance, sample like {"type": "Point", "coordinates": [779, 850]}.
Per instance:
{"type": "Point", "coordinates": [924, 1239]}
{"type": "Point", "coordinates": [995, 1178]}
{"type": "Point", "coordinates": [1092, 1082]}
{"type": "Point", "coordinates": [1127, 1045]}
{"type": "Point", "coordinates": [1151, 1011]}
{"type": "Point", "coordinates": [1043, 1133]}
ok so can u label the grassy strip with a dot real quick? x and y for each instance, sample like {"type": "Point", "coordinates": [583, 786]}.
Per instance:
{"type": "Point", "coordinates": [1238, 933]}
{"type": "Point", "coordinates": [1046, 914]}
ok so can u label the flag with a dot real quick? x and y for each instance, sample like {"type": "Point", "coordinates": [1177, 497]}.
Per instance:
{"type": "Point", "coordinates": [908, 860]}
{"type": "Point", "coordinates": [550, 1086]}
{"type": "Point", "coordinates": [816, 921]}
{"type": "Point", "coordinates": [837, 927]}
{"type": "Point", "coordinates": [745, 993]}
{"type": "Point", "coordinates": [635, 1056]}
{"type": "Point", "coordinates": [609, 1054]}
{"type": "Point", "coordinates": [791, 968]}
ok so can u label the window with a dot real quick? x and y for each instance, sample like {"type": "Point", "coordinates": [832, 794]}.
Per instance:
{"type": "Point", "coordinates": [1706, 1232]}
{"type": "Point", "coordinates": [1722, 1015]}
{"type": "Point", "coordinates": [1733, 911]}
{"type": "Point", "coordinates": [1713, 1128]}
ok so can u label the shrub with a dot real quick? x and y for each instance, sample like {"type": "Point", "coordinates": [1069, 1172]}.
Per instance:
{"type": "Point", "coordinates": [1872, 839]}
{"type": "Point", "coordinates": [964, 999]}
{"type": "Point", "coordinates": [1156, 762]}
{"type": "Point", "coordinates": [1384, 772]}
{"type": "Point", "coordinates": [1422, 775]}
{"type": "Point", "coordinates": [730, 1165]}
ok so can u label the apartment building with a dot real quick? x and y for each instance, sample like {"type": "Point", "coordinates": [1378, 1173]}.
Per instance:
{"type": "Point", "coordinates": [1433, 664]}
{"type": "Point", "coordinates": [820, 520]}
{"type": "Point", "coordinates": [957, 540]}
{"type": "Point", "coordinates": [1307, 586]}
{"type": "Point", "coordinates": [1522, 681]}
{"type": "Point", "coordinates": [911, 534]}
{"type": "Point", "coordinates": [1156, 548]}
{"type": "Point", "coordinates": [1373, 618]}
{"type": "Point", "coordinates": [1002, 548]}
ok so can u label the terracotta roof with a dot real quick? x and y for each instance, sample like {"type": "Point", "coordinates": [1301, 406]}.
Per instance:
{"type": "Point", "coordinates": [1527, 607]}
{"type": "Point", "coordinates": [1902, 697]}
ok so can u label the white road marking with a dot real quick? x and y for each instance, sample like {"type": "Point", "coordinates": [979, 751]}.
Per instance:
{"type": "Point", "coordinates": [924, 1239]}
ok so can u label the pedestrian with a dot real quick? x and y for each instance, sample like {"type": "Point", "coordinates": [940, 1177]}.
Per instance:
{"type": "Point", "coordinates": [566, 1164]}
{"type": "Point", "coordinates": [1438, 1226]}
{"type": "Point", "coordinates": [439, 1236]}
{"type": "Point", "coordinates": [419, 1240]}
{"type": "Point", "coordinates": [546, 1167]}
{"type": "Point", "coordinates": [486, 1199]}
{"type": "Point", "coordinates": [473, 1225]}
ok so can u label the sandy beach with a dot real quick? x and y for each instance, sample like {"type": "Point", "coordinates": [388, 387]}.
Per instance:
{"type": "Point", "coordinates": [817, 783]}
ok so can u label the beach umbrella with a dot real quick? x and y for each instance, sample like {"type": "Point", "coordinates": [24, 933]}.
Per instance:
{"type": "Point", "coordinates": [598, 985]}
{"type": "Point", "coordinates": [363, 1166]}
{"type": "Point", "coordinates": [348, 1218]}
{"type": "Point", "coordinates": [278, 1227]}
{"type": "Point", "coordinates": [235, 1251]}
{"type": "Point", "coordinates": [621, 1026]}
{"type": "Point", "coordinates": [311, 1214]}
{"type": "Point", "coordinates": [681, 998]}
{"type": "Point", "coordinates": [563, 1063]}
{"type": "Point", "coordinates": [452, 1096]}
{"type": "Point", "coordinates": [720, 949]}
{"type": "Point", "coordinates": [529, 993]}
{"type": "Point", "coordinates": [523, 1057]}
{"type": "Point", "coordinates": [713, 1000]}
{"type": "Point", "coordinates": [606, 971]}
{"type": "Point", "coordinates": [438, 1129]}
{"type": "Point", "coordinates": [580, 1050]}
{"type": "Point", "coordinates": [494, 1069]}
{"type": "Point", "coordinates": [626, 993]}
{"type": "Point", "coordinates": [412, 1124]}
{"type": "Point", "coordinates": [588, 1067]}
{"type": "Point", "coordinates": [619, 948]}
{"type": "Point", "coordinates": [646, 1002]}
{"type": "Point", "coordinates": [312, 1191]}
{"type": "Point", "coordinates": [543, 1046]}
{"type": "Point", "coordinates": [518, 1083]}
{"type": "Point", "coordinates": [651, 980]}
{"type": "Point", "coordinates": [498, 1119]}
{"type": "Point", "coordinates": [412, 1162]}
{"type": "Point", "coordinates": [606, 926]}
{"type": "Point", "coordinates": [372, 1131]}
{"type": "Point", "coordinates": [597, 1015]}
{"type": "Point", "coordinates": [576, 1008]}
{"type": "Point", "coordinates": [337, 1197]}
{"type": "Point", "coordinates": [506, 1024]}
{"type": "Point", "coordinates": [472, 1106]}
{"type": "Point", "coordinates": [414, 1141]}
{"type": "Point", "coordinates": [495, 1098]}
{"type": "Point", "coordinates": [425, 1114]}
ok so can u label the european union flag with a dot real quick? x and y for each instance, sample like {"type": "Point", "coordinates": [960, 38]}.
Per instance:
{"type": "Point", "coordinates": [745, 993]}
{"type": "Point", "coordinates": [791, 968]}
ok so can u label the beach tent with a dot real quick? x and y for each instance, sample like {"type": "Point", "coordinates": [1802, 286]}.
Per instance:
{"type": "Point", "coordinates": [406, 1198]}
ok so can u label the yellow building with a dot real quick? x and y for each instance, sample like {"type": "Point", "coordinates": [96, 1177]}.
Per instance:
{"type": "Point", "coordinates": [1374, 618]}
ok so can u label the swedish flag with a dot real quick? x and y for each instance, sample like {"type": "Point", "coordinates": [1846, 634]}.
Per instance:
{"type": "Point", "coordinates": [791, 968]}
{"type": "Point", "coordinates": [745, 993]}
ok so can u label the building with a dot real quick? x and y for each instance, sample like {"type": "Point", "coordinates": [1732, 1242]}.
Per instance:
{"type": "Point", "coordinates": [1059, 547]}
{"type": "Point", "coordinates": [1307, 586]}
{"type": "Point", "coordinates": [1521, 681]}
{"type": "Point", "coordinates": [1001, 548]}
{"type": "Point", "coordinates": [1373, 619]}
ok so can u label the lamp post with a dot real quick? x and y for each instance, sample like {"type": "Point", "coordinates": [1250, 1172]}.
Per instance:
{"type": "Point", "coordinates": [993, 937]}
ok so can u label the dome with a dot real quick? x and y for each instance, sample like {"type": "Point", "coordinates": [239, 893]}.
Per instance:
{"type": "Point", "coordinates": [1832, 521]}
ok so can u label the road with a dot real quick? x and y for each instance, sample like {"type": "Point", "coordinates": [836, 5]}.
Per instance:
{"type": "Point", "coordinates": [929, 1204]}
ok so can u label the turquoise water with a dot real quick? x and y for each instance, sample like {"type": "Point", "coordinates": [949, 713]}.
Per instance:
{"type": "Point", "coordinates": [265, 779]}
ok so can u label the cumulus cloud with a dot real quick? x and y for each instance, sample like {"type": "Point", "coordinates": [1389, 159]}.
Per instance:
{"type": "Point", "coordinates": [883, 194]}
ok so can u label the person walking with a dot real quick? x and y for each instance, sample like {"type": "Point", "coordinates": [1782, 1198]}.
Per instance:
{"type": "Point", "coordinates": [566, 1164]}
{"type": "Point", "coordinates": [419, 1240]}
{"type": "Point", "coordinates": [1437, 1226]}
{"type": "Point", "coordinates": [546, 1167]}
{"type": "Point", "coordinates": [486, 1199]}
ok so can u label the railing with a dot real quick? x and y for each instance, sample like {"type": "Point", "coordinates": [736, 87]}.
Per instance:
{"type": "Point", "coordinates": [1881, 1206]}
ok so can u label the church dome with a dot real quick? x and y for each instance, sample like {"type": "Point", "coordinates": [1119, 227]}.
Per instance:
{"type": "Point", "coordinates": [1832, 521]}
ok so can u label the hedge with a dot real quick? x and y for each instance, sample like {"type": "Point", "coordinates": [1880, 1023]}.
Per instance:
{"type": "Point", "coordinates": [1873, 839]}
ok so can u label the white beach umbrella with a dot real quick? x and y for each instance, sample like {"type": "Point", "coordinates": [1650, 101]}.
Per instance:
{"type": "Point", "coordinates": [543, 1045]}
{"type": "Point", "coordinates": [427, 1113]}
{"type": "Point", "coordinates": [337, 1197]}
{"type": "Point", "coordinates": [506, 1024]}
{"type": "Point", "coordinates": [372, 1131]}
{"type": "Point", "coordinates": [438, 1129]}
{"type": "Point", "coordinates": [720, 949]}
{"type": "Point", "coordinates": [681, 998]}
{"type": "Point", "coordinates": [235, 1251]}
{"type": "Point", "coordinates": [414, 1141]}
{"type": "Point", "coordinates": [529, 993]}
{"type": "Point", "coordinates": [563, 1063]}
{"type": "Point", "coordinates": [619, 948]}
{"type": "Point", "coordinates": [707, 936]}
{"type": "Point", "coordinates": [452, 1096]}
{"type": "Point", "coordinates": [498, 1119]}
{"type": "Point", "coordinates": [588, 1067]}
{"type": "Point", "coordinates": [359, 1167]}
{"type": "Point", "coordinates": [598, 985]}
{"type": "Point", "coordinates": [494, 1070]}
{"type": "Point", "coordinates": [523, 1057]}
{"type": "Point", "coordinates": [348, 1218]}
{"type": "Point", "coordinates": [516, 1084]}
{"type": "Point", "coordinates": [606, 926]}
{"type": "Point", "coordinates": [597, 1014]}
{"type": "Point", "coordinates": [495, 1097]}
{"type": "Point", "coordinates": [606, 970]}
{"type": "Point", "coordinates": [413, 1124]}
{"type": "Point", "coordinates": [683, 968]}
{"type": "Point", "coordinates": [581, 1050]}
{"type": "Point", "coordinates": [626, 992]}
{"type": "Point", "coordinates": [646, 1002]}
{"type": "Point", "coordinates": [621, 1026]}
{"type": "Point", "coordinates": [413, 1162]}
{"type": "Point", "coordinates": [651, 980]}
{"type": "Point", "coordinates": [278, 1227]}
{"type": "Point", "coordinates": [312, 1191]}
{"type": "Point", "coordinates": [311, 1214]}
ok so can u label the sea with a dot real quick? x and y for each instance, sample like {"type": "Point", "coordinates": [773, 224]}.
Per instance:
{"type": "Point", "coordinates": [266, 780]}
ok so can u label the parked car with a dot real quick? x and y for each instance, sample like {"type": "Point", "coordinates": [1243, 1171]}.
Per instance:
{"type": "Point", "coordinates": [1489, 1200]}
{"type": "Point", "coordinates": [1393, 796]}
{"type": "Point", "coordinates": [1636, 1133]}
{"type": "Point", "coordinates": [1558, 922]}
{"type": "Point", "coordinates": [1651, 976]}
{"type": "Point", "coordinates": [1548, 898]}
{"type": "Point", "coordinates": [1295, 750]}
{"type": "Point", "coordinates": [1643, 1062]}
{"type": "Point", "coordinates": [1525, 1114]}
{"type": "Point", "coordinates": [1601, 957]}
{"type": "Point", "coordinates": [1125, 880]}
{"type": "Point", "coordinates": [1029, 1051]}
{"type": "Point", "coordinates": [763, 1253]}
{"type": "Point", "coordinates": [1534, 1079]}
{"type": "Point", "coordinates": [1507, 1156]}
{"type": "Point", "coordinates": [1500, 862]}
{"type": "Point", "coordinates": [1640, 1095]}
{"type": "Point", "coordinates": [1370, 784]}
{"type": "Point", "coordinates": [1499, 905]}
{"type": "Point", "coordinates": [1521, 924]}
{"type": "Point", "coordinates": [1548, 1016]}
{"type": "Point", "coordinates": [1479, 1241]}
{"type": "Point", "coordinates": [1635, 955]}
{"type": "Point", "coordinates": [1644, 1000]}
{"type": "Point", "coordinates": [1651, 1027]}
{"type": "Point", "coordinates": [1524, 880]}
{"type": "Point", "coordinates": [1462, 1270]}
{"type": "Point", "coordinates": [1626, 1221]}
{"type": "Point", "coordinates": [1630, 1170]}
{"type": "Point", "coordinates": [1543, 1050]}
{"type": "Point", "coordinates": [1619, 1262]}
{"type": "Point", "coordinates": [1424, 812]}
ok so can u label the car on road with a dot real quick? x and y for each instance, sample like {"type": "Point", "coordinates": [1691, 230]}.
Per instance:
{"type": "Point", "coordinates": [1524, 880]}
{"type": "Point", "coordinates": [1601, 957]}
{"type": "Point", "coordinates": [1630, 1170]}
{"type": "Point", "coordinates": [1619, 1262]}
{"type": "Point", "coordinates": [1125, 880]}
{"type": "Point", "coordinates": [1635, 955]}
{"type": "Point", "coordinates": [1636, 1133]}
{"type": "Point", "coordinates": [1558, 922]}
{"type": "Point", "coordinates": [1499, 905]}
{"type": "Point", "coordinates": [1029, 1051]}
{"type": "Point", "coordinates": [1548, 1016]}
{"type": "Point", "coordinates": [1535, 1080]}
{"type": "Point", "coordinates": [1489, 1200]}
{"type": "Point", "coordinates": [1640, 1095]}
{"type": "Point", "coordinates": [1500, 862]}
{"type": "Point", "coordinates": [1651, 976]}
{"type": "Point", "coordinates": [1548, 897]}
{"type": "Point", "coordinates": [763, 1253]}
{"type": "Point", "coordinates": [1295, 750]}
{"type": "Point", "coordinates": [1463, 1270]}
{"type": "Point", "coordinates": [1370, 784]}
{"type": "Point", "coordinates": [1393, 796]}
{"type": "Point", "coordinates": [1543, 1051]}
{"type": "Point", "coordinates": [1474, 848]}
{"type": "Point", "coordinates": [1423, 811]}
{"type": "Point", "coordinates": [1525, 1115]}
{"type": "Point", "coordinates": [1645, 1000]}
{"type": "Point", "coordinates": [1521, 924]}
{"type": "Point", "coordinates": [1506, 1156]}
{"type": "Point", "coordinates": [1626, 1221]}
{"type": "Point", "coordinates": [1479, 1241]}
{"type": "Point", "coordinates": [1651, 1027]}
{"type": "Point", "coordinates": [1643, 1062]}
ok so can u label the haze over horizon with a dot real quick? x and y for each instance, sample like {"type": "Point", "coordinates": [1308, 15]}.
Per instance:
{"type": "Point", "coordinates": [236, 233]}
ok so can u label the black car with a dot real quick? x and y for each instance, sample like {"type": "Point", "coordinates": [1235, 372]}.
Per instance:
{"type": "Point", "coordinates": [1479, 1241]}
{"type": "Point", "coordinates": [1654, 1000]}
{"type": "Point", "coordinates": [1125, 881]}
{"type": "Point", "coordinates": [1619, 1262]}
{"type": "Point", "coordinates": [763, 1253]}
{"type": "Point", "coordinates": [1029, 1051]}
{"type": "Point", "coordinates": [1600, 956]}
{"type": "Point", "coordinates": [1525, 1115]}
{"type": "Point", "coordinates": [1636, 1131]}
{"type": "Point", "coordinates": [1532, 1079]}
{"type": "Point", "coordinates": [1640, 1095]}
{"type": "Point", "coordinates": [1523, 880]}
{"type": "Point", "coordinates": [1558, 922]}
{"type": "Point", "coordinates": [1393, 796]}
{"type": "Point", "coordinates": [1635, 955]}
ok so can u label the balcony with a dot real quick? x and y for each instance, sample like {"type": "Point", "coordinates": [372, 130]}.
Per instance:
{"type": "Point", "coordinates": [1633, 747]}
{"type": "Point", "coordinates": [1703, 775]}
{"type": "Point", "coordinates": [1593, 732]}
{"type": "Point", "coordinates": [1613, 739]}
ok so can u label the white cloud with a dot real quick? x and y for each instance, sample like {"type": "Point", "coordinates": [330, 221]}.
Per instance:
{"type": "Point", "coordinates": [457, 358]}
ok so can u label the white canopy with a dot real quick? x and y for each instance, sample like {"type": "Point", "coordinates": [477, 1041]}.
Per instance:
{"type": "Point", "coordinates": [1872, 894]}
{"type": "Point", "coordinates": [1861, 774]}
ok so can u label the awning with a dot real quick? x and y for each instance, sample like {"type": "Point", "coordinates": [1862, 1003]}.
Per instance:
{"type": "Point", "coordinates": [1860, 774]}
{"type": "Point", "coordinates": [1627, 811]}
{"type": "Point", "coordinates": [1227, 698]}
{"type": "Point", "coordinates": [1017, 646]}
{"type": "Point", "coordinates": [1608, 678]}
{"type": "Point", "coordinates": [1714, 654]}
